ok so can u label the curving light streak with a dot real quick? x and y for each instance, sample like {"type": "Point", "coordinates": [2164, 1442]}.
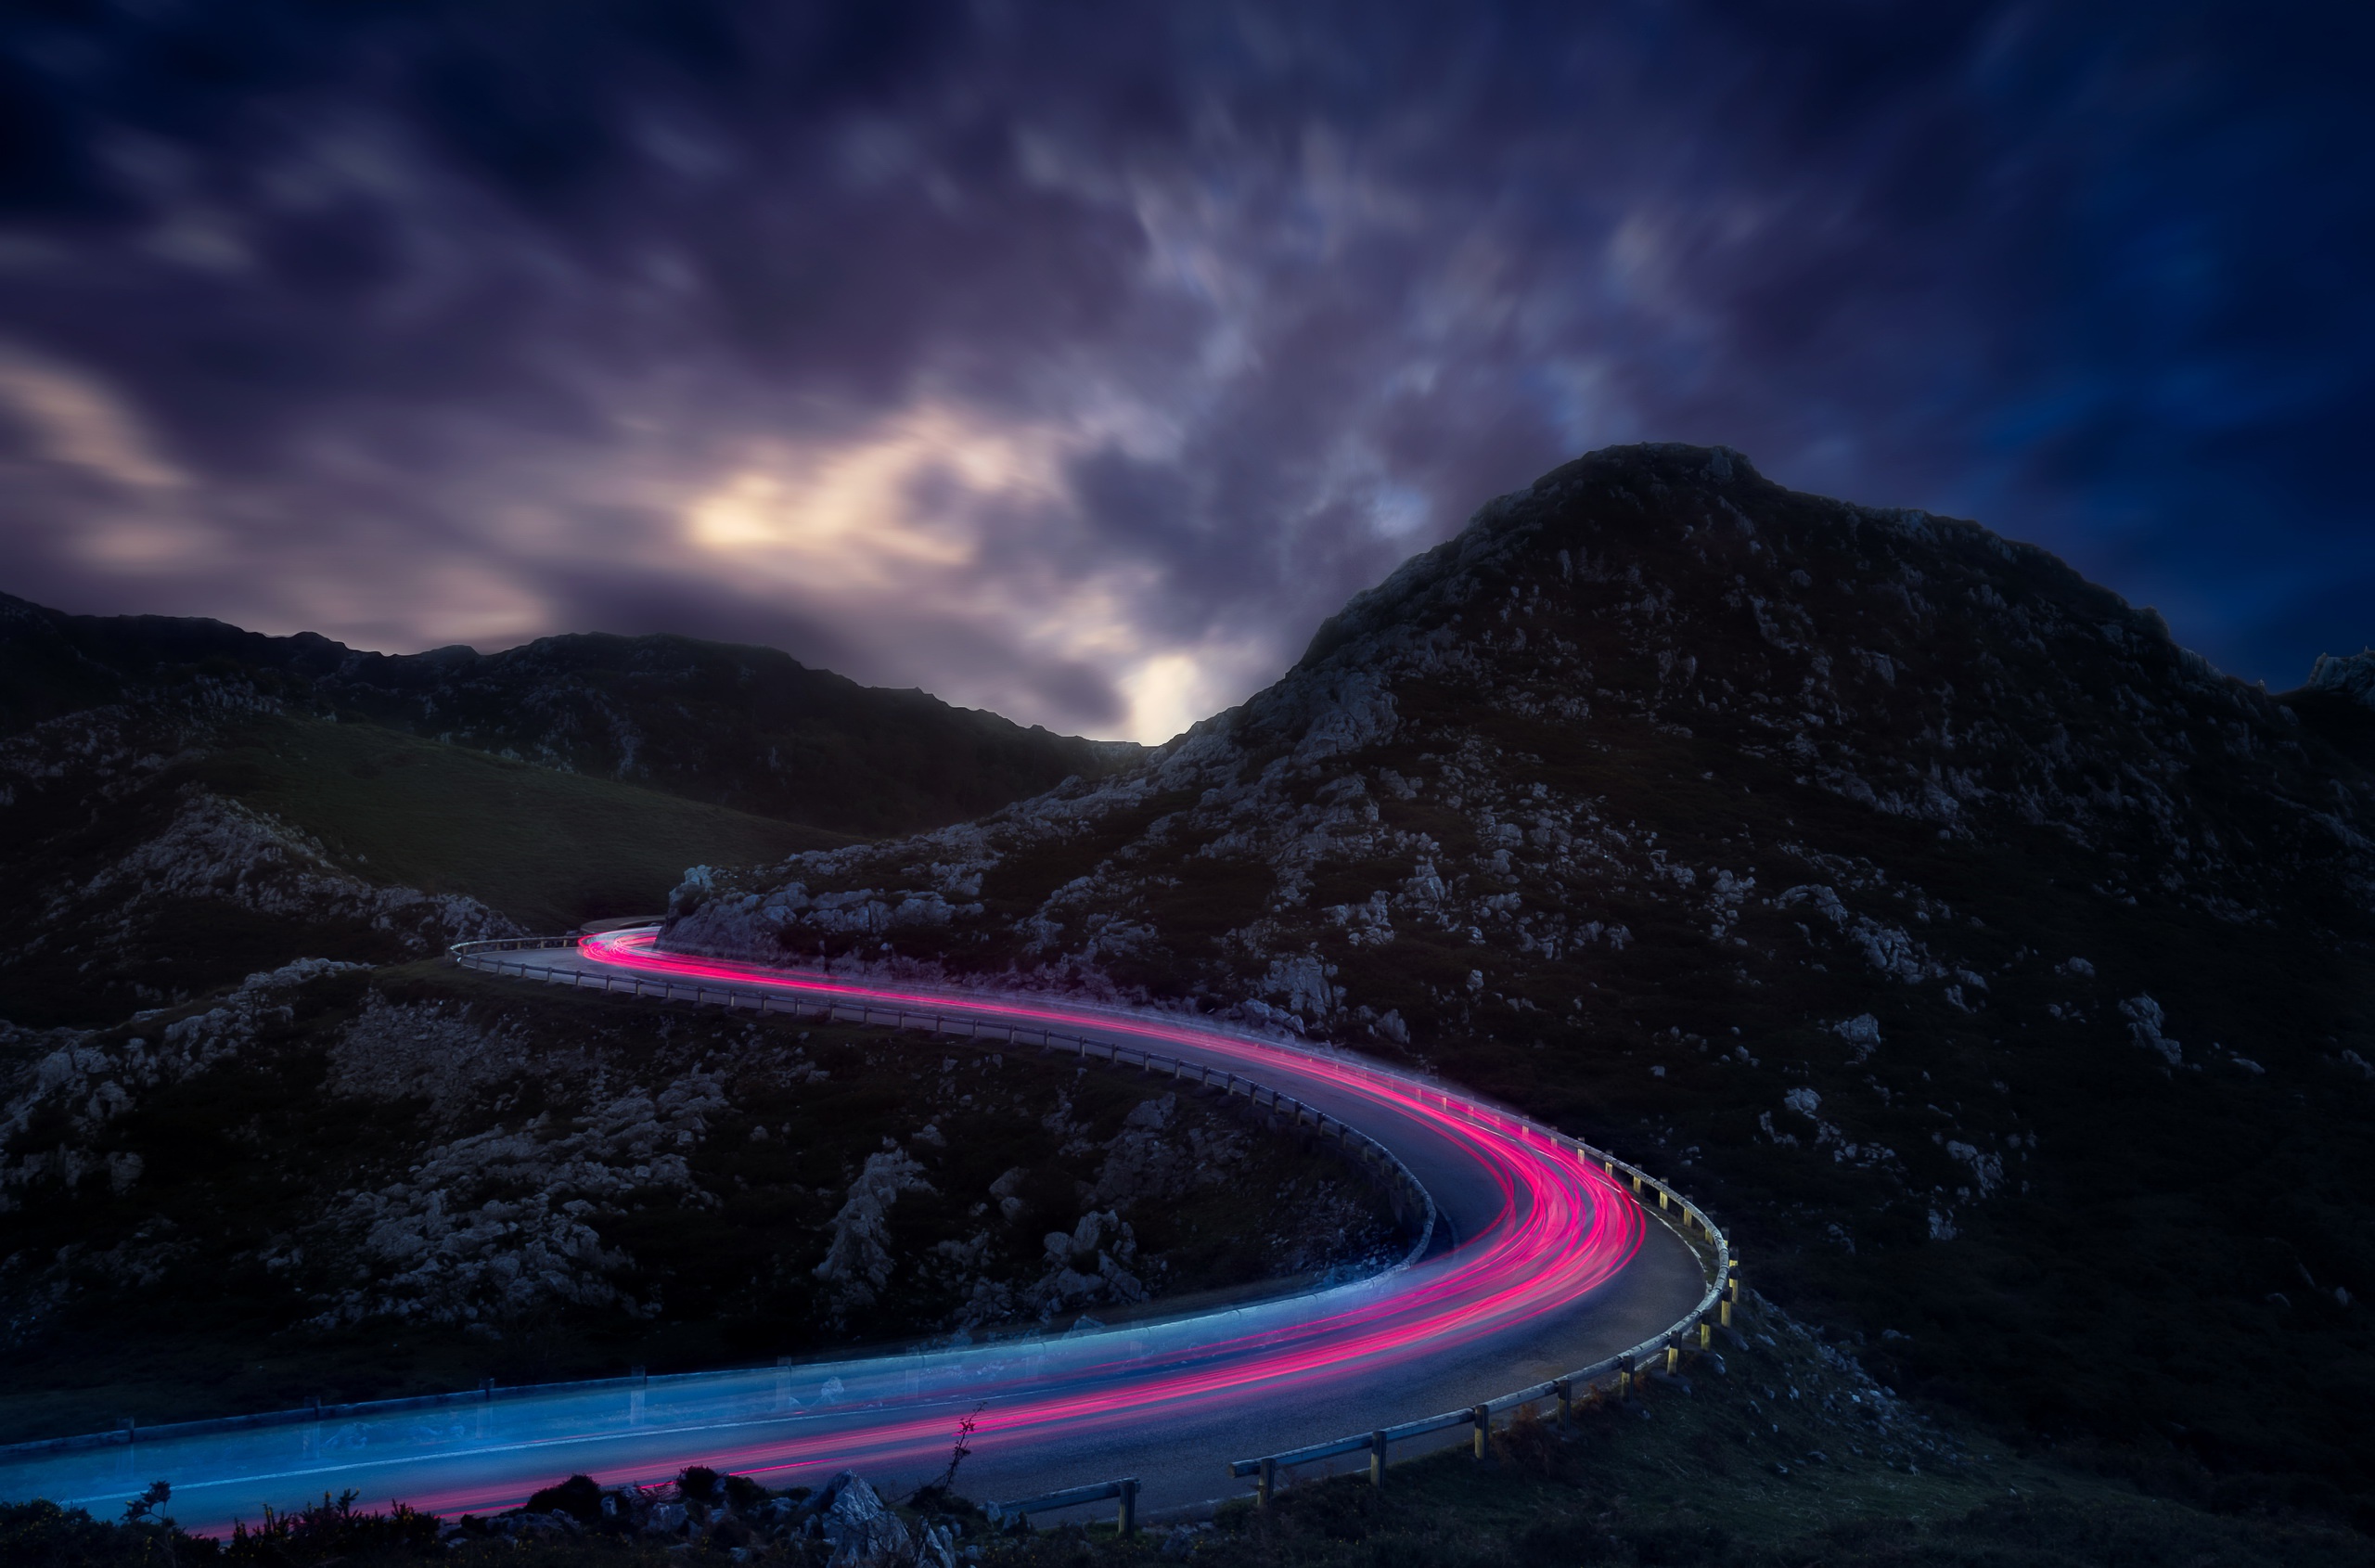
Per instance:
{"type": "Point", "coordinates": [1564, 1227]}
{"type": "Point", "coordinates": [1542, 1228]}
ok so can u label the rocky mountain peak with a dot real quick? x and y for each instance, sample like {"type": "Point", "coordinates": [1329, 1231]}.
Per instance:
{"type": "Point", "coordinates": [1661, 615]}
{"type": "Point", "coordinates": [2349, 675]}
{"type": "Point", "coordinates": [1721, 577]}
{"type": "Point", "coordinates": [1500, 537]}
{"type": "Point", "coordinates": [1877, 873]}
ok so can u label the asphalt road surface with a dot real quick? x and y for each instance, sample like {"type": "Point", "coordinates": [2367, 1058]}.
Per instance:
{"type": "Point", "coordinates": [1540, 1264]}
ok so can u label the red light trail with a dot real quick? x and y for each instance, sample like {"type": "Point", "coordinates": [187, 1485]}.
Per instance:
{"type": "Point", "coordinates": [1541, 1233]}
{"type": "Point", "coordinates": [1562, 1229]}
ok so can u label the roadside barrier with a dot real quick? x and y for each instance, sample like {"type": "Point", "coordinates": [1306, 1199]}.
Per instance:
{"type": "Point", "coordinates": [1126, 1489]}
{"type": "Point", "coordinates": [1660, 1353]}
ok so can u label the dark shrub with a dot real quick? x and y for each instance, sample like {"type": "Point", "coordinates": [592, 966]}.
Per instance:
{"type": "Point", "coordinates": [42, 1535]}
{"type": "Point", "coordinates": [578, 1497]}
{"type": "Point", "coordinates": [328, 1530]}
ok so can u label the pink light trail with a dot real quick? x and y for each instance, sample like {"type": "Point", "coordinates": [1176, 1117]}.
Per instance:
{"type": "Point", "coordinates": [1564, 1227]}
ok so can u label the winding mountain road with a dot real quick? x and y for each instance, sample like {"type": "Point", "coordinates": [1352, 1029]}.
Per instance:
{"type": "Point", "coordinates": [1540, 1264]}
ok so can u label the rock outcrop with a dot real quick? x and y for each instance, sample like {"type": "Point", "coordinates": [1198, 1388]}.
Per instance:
{"type": "Point", "coordinates": [2352, 676]}
{"type": "Point", "coordinates": [405, 1155]}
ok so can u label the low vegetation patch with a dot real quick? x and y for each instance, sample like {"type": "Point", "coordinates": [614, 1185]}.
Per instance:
{"type": "Point", "coordinates": [361, 1184]}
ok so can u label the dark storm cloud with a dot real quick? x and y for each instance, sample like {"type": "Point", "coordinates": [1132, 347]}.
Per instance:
{"type": "Point", "coordinates": [1077, 361]}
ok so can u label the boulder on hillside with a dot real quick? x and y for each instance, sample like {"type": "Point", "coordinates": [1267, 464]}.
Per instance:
{"type": "Point", "coordinates": [862, 1532]}
{"type": "Point", "coordinates": [2352, 675]}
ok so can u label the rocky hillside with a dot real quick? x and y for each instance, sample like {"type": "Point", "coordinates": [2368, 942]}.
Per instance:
{"type": "Point", "coordinates": [183, 802]}
{"type": "Point", "coordinates": [1995, 964]}
{"type": "Point", "coordinates": [359, 1183]}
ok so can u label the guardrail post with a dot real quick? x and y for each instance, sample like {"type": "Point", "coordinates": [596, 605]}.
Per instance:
{"type": "Point", "coordinates": [1706, 1335]}
{"type": "Point", "coordinates": [1483, 1417]}
{"type": "Point", "coordinates": [1565, 1389]}
{"type": "Point", "coordinates": [1673, 1357]}
{"type": "Point", "coordinates": [1129, 1519]}
{"type": "Point", "coordinates": [1725, 1308]}
{"type": "Point", "coordinates": [1268, 1483]}
{"type": "Point", "coordinates": [1377, 1458]}
{"type": "Point", "coordinates": [1624, 1382]}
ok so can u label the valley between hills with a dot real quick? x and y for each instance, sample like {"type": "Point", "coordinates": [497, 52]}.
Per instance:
{"type": "Point", "coordinates": [1993, 969]}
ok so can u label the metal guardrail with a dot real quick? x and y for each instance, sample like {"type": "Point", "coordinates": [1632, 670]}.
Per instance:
{"type": "Point", "coordinates": [1126, 1489]}
{"type": "Point", "coordinates": [1659, 1352]}
{"type": "Point", "coordinates": [1414, 1206]}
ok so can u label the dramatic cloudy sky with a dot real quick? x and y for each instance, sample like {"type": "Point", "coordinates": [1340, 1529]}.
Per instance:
{"type": "Point", "coordinates": [1075, 359]}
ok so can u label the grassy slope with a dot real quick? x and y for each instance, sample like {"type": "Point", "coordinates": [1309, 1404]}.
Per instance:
{"type": "Point", "coordinates": [548, 849]}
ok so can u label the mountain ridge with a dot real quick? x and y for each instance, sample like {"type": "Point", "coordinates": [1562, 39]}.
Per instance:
{"type": "Point", "coordinates": [1896, 889]}
{"type": "Point", "coordinates": [877, 759]}
{"type": "Point", "coordinates": [183, 802]}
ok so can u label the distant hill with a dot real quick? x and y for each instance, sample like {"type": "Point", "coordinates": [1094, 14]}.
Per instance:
{"type": "Point", "coordinates": [747, 728]}
{"type": "Point", "coordinates": [1997, 967]}
{"type": "Point", "coordinates": [183, 802]}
